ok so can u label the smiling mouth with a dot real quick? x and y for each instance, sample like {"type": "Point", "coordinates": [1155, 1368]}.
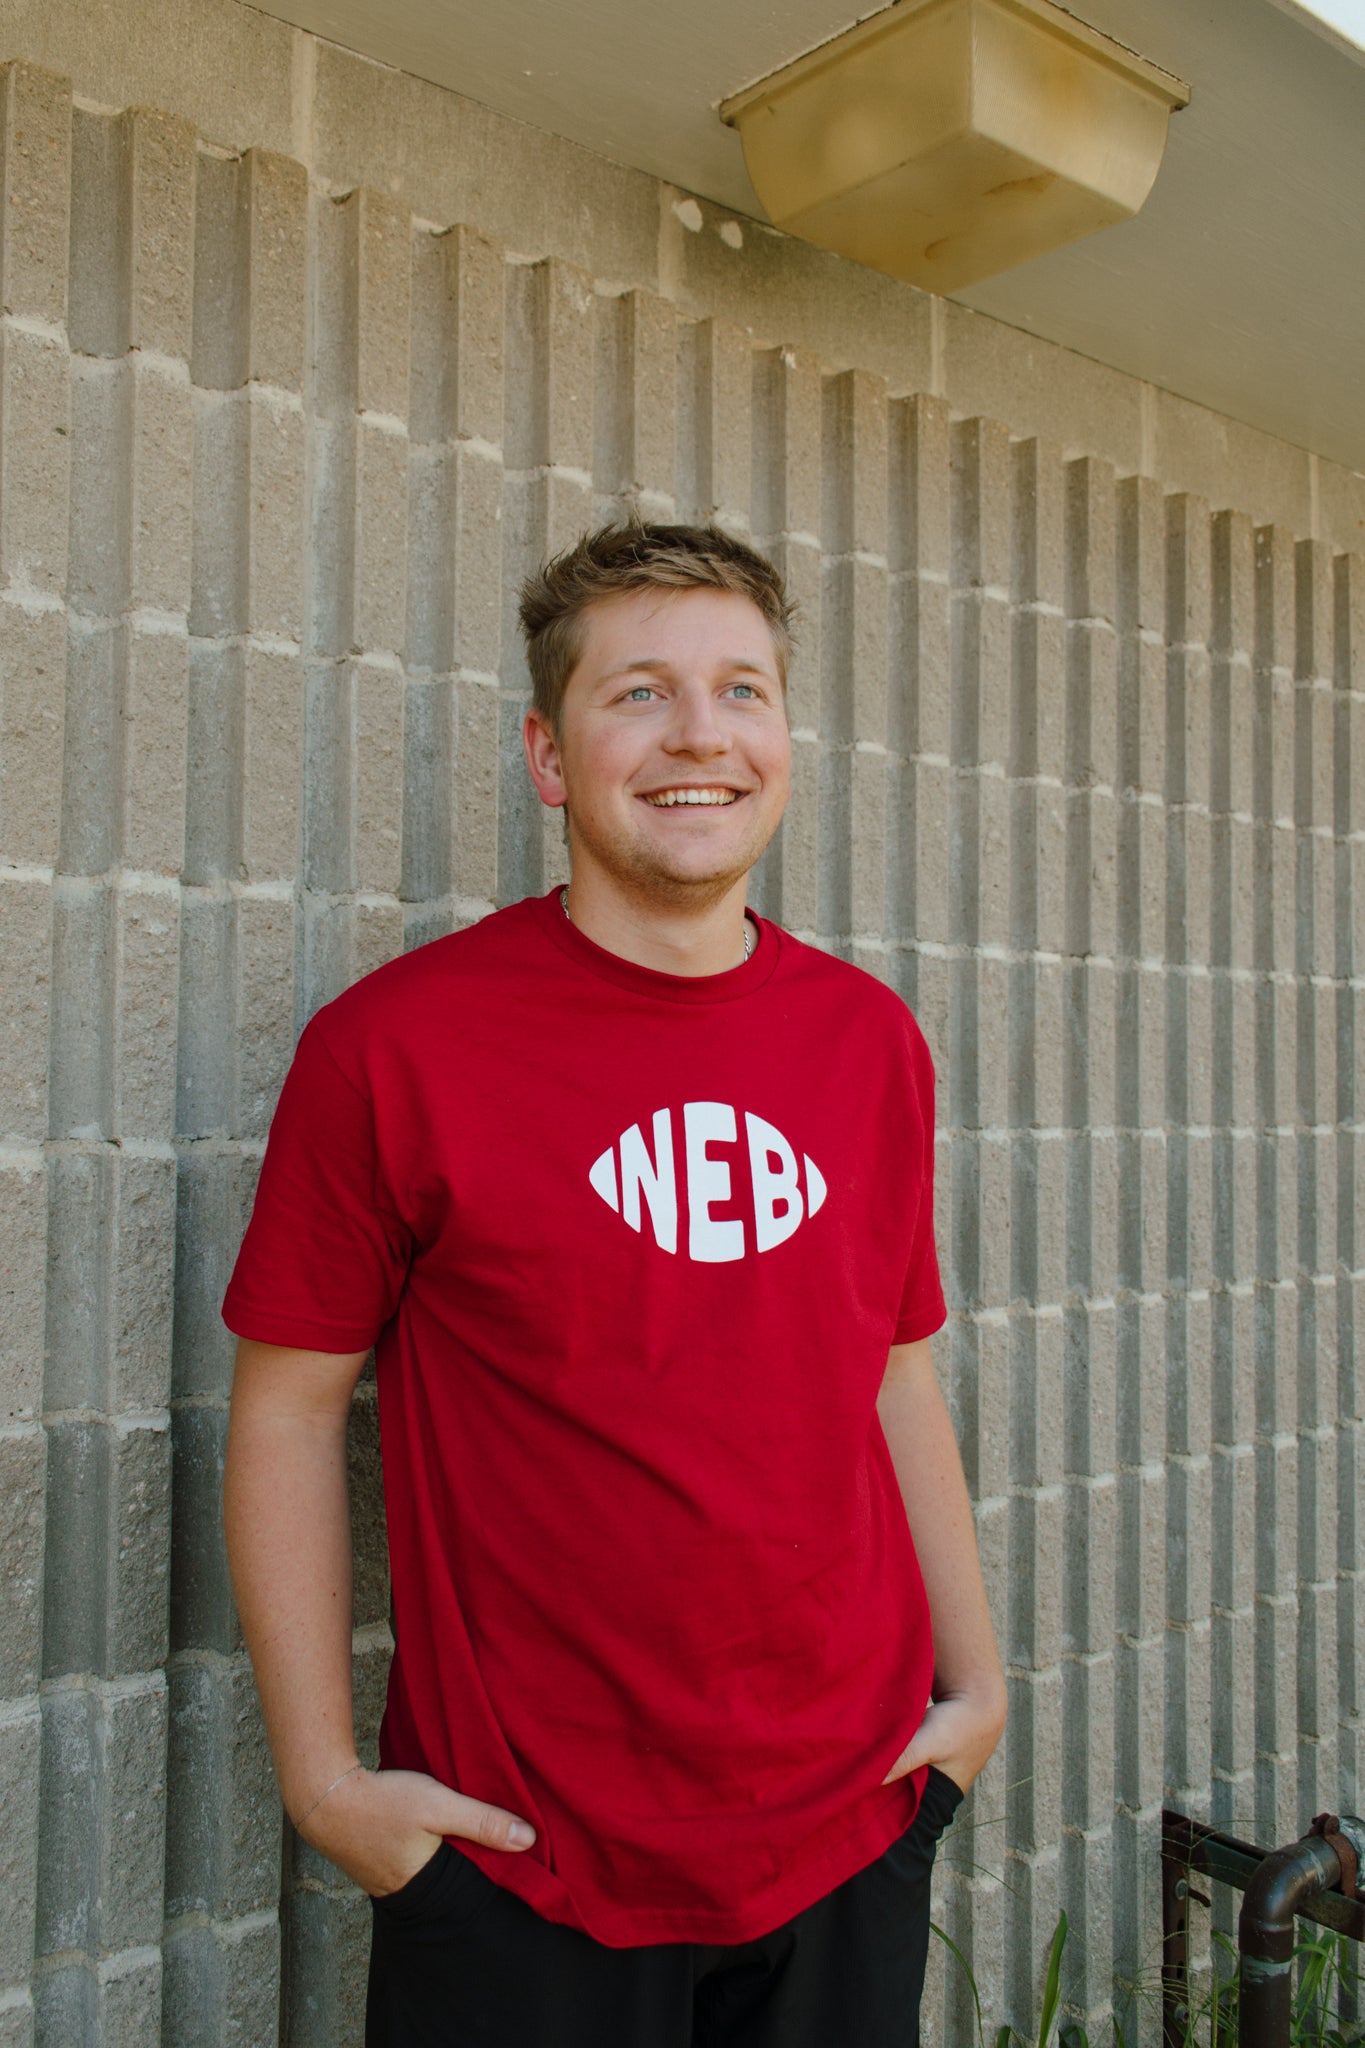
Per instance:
{"type": "Point", "coordinates": [670, 799]}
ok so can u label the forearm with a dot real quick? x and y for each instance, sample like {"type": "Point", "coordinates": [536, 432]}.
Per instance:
{"type": "Point", "coordinates": [924, 1452]}
{"type": "Point", "coordinates": [287, 1523]}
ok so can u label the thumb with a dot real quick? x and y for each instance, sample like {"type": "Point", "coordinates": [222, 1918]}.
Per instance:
{"type": "Point", "coordinates": [474, 1820]}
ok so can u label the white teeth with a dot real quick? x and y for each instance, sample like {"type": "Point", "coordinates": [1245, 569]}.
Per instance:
{"type": "Point", "coordinates": [692, 796]}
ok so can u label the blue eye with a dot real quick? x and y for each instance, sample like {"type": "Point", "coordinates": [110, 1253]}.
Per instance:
{"type": "Point", "coordinates": [640, 694]}
{"type": "Point", "coordinates": [747, 689]}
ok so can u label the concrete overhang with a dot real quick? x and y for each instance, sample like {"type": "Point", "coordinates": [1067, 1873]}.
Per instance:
{"type": "Point", "coordinates": [1240, 285]}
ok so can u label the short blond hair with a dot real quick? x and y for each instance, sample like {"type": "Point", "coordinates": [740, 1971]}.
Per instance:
{"type": "Point", "coordinates": [614, 560]}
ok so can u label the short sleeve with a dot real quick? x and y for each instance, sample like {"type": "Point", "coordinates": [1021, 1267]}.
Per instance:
{"type": "Point", "coordinates": [922, 1308]}
{"type": "Point", "coordinates": [325, 1255]}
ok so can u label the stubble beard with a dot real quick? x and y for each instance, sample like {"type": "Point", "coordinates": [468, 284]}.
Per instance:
{"type": "Point", "coordinates": [641, 873]}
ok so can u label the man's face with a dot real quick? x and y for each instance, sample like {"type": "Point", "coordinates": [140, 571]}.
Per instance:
{"type": "Point", "coordinates": [673, 753]}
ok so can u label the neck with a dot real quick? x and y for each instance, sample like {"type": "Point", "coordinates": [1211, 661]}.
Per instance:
{"type": "Point", "coordinates": [670, 938]}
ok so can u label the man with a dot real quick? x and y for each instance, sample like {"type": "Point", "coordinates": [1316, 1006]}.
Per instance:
{"type": "Point", "coordinates": [632, 1193]}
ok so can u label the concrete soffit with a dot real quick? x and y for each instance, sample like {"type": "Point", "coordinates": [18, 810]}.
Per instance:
{"type": "Point", "coordinates": [1240, 285]}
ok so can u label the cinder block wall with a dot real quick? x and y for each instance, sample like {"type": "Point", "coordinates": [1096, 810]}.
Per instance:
{"type": "Point", "coordinates": [1080, 769]}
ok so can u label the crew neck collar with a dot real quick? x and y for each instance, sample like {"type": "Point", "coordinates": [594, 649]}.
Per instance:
{"type": "Point", "coordinates": [726, 987]}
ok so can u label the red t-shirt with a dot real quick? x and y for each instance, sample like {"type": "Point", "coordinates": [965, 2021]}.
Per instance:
{"type": "Point", "coordinates": [632, 1247]}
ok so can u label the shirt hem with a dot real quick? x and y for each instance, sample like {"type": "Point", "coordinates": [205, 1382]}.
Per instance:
{"type": "Point", "coordinates": [646, 1926]}
{"type": "Point", "coordinates": [914, 1328]}
{"type": "Point", "coordinates": [294, 1332]}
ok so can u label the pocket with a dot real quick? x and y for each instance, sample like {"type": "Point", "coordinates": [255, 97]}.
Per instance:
{"type": "Point", "coordinates": [939, 1801]}
{"type": "Point", "coordinates": [419, 1886]}
{"type": "Point", "coordinates": [449, 1888]}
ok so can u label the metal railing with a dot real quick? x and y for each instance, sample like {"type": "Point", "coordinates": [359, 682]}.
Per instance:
{"type": "Point", "coordinates": [1315, 1878]}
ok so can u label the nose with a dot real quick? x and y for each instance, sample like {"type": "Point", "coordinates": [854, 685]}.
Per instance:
{"type": "Point", "coordinates": [696, 727]}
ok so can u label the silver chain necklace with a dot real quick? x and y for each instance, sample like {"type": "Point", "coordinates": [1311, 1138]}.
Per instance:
{"type": "Point", "coordinates": [748, 927]}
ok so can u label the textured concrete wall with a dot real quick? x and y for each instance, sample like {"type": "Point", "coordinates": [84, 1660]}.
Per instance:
{"type": "Point", "coordinates": [1080, 769]}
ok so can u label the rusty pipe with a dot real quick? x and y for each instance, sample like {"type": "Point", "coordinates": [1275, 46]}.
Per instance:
{"type": "Point", "coordinates": [1265, 1937]}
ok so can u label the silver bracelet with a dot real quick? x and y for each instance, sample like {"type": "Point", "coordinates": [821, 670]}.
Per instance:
{"type": "Point", "coordinates": [327, 1794]}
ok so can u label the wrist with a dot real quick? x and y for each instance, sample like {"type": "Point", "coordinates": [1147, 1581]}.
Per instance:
{"type": "Point", "coordinates": [319, 1788]}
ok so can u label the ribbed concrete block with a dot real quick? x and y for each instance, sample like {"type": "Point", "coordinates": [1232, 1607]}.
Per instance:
{"type": "Point", "coordinates": [26, 946]}
{"type": "Point", "coordinates": [145, 935]}
{"type": "Point", "coordinates": [855, 485]}
{"type": "Point", "coordinates": [138, 1536]}
{"type": "Point", "coordinates": [274, 530]}
{"type": "Point", "coordinates": [325, 1961]}
{"type": "Point", "coordinates": [220, 529]}
{"type": "Point", "coordinates": [457, 338]}
{"type": "Point", "coordinates": [1036, 1448]}
{"type": "Point", "coordinates": [1033, 1759]}
{"type": "Point", "coordinates": [1232, 1683]}
{"type": "Point", "coordinates": [35, 430]}
{"type": "Point", "coordinates": [272, 746]}
{"type": "Point", "coordinates": [1139, 1718]}
{"type": "Point", "coordinates": [224, 1819]}
{"type": "Point", "coordinates": [1091, 558]}
{"type": "Point", "coordinates": [222, 1982]}
{"type": "Point", "coordinates": [1038, 507]}
{"type": "Point", "coordinates": [1319, 1696]}
{"type": "Point", "coordinates": [162, 161]}
{"type": "Point", "coordinates": [1089, 1368]}
{"type": "Point", "coordinates": [980, 531]}
{"type": "Point", "coordinates": [1085, 1769]}
{"type": "Point", "coordinates": [205, 1068]}
{"type": "Point", "coordinates": [274, 197]}
{"type": "Point", "coordinates": [214, 1188]}
{"type": "Point", "coordinates": [635, 410]}
{"type": "Point", "coordinates": [715, 427]}
{"type": "Point", "coordinates": [378, 800]}
{"type": "Point", "coordinates": [381, 506]}
{"type": "Point", "coordinates": [203, 1613]}
{"type": "Point", "coordinates": [374, 936]}
{"type": "Point", "coordinates": [1030, 1920]}
{"type": "Point", "coordinates": [922, 550]}
{"type": "Point", "coordinates": [1050, 856]}
{"type": "Point", "coordinates": [23, 1462]}
{"type": "Point", "coordinates": [1086, 1878]}
{"type": "Point", "coordinates": [428, 848]}
{"type": "Point", "coordinates": [108, 1320]}
{"type": "Point", "coordinates": [549, 367]}
{"type": "Point", "coordinates": [101, 454]}
{"type": "Point", "coordinates": [788, 438]}
{"type": "Point", "coordinates": [264, 1006]}
{"type": "Point", "coordinates": [108, 1547]}
{"type": "Point", "coordinates": [23, 1260]}
{"type": "Point", "coordinates": [32, 691]}
{"type": "Point", "coordinates": [476, 828]}
{"type": "Point", "coordinates": [1091, 1551]}
{"type": "Point", "coordinates": [92, 811]}
{"type": "Point", "coordinates": [1188, 1561]}
{"type": "Point", "coordinates": [1099, 1192]}
{"type": "Point", "coordinates": [382, 232]}
{"type": "Point", "coordinates": [454, 587]}
{"type": "Point", "coordinates": [19, 1829]}
{"type": "Point", "coordinates": [370, 1550]}
{"type": "Point", "coordinates": [35, 142]}
{"type": "Point", "coordinates": [1034, 1637]}
{"type": "Point", "coordinates": [103, 1800]}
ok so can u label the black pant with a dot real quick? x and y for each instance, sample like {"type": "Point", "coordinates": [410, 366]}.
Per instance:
{"type": "Point", "coordinates": [457, 1962]}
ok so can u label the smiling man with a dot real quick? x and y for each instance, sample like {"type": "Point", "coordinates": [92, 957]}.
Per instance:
{"type": "Point", "coordinates": [632, 1194]}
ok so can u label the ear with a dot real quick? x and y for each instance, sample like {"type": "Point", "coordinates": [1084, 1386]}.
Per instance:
{"type": "Point", "coordinates": [543, 761]}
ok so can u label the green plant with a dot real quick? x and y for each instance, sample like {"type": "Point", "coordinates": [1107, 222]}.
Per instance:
{"type": "Point", "coordinates": [1327, 1989]}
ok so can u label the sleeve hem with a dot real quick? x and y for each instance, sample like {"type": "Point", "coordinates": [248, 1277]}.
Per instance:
{"type": "Point", "coordinates": [911, 1329]}
{"type": "Point", "coordinates": [295, 1332]}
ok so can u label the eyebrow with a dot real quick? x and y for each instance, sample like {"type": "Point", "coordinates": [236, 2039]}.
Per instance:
{"type": "Point", "coordinates": [654, 664]}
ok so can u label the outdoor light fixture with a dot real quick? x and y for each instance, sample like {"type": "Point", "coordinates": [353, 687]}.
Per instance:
{"type": "Point", "coordinates": [946, 140]}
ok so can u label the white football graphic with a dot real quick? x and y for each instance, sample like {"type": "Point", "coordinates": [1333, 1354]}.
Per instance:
{"type": "Point", "coordinates": [636, 1175]}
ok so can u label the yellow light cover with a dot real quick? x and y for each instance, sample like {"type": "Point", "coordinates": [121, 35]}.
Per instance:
{"type": "Point", "coordinates": [947, 140]}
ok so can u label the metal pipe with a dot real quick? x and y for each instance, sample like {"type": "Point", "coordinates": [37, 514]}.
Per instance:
{"type": "Point", "coordinates": [1265, 1937]}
